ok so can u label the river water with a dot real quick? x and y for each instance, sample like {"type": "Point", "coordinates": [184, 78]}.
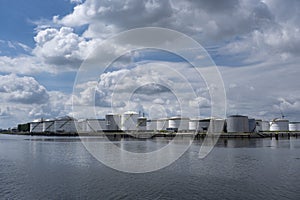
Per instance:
{"type": "Point", "coordinates": [62, 168]}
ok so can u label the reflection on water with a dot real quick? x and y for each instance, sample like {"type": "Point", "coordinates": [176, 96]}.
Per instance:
{"type": "Point", "coordinates": [61, 168]}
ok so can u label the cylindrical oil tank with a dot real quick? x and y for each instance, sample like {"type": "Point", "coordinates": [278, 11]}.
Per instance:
{"type": "Point", "coordinates": [294, 126]}
{"type": "Point", "coordinates": [152, 125]}
{"type": "Point", "coordinates": [81, 126]}
{"type": "Point", "coordinates": [129, 121]}
{"type": "Point", "coordinates": [162, 124]}
{"type": "Point", "coordinates": [48, 126]}
{"type": "Point", "coordinates": [174, 123]}
{"type": "Point", "coordinates": [184, 124]}
{"type": "Point", "coordinates": [265, 126]}
{"type": "Point", "coordinates": [237, 124]}
{"type": "Point", "coordinates": [279, 125]}
{"type": "Point", "coordinates": [193, 124]}
{"type": "Point", "coordinates": [36, 126]}
{"type": "Point", "coordinates": [252, 125]}
{"type": "Point", "coordinates": [65, 124]}
{"type": "Point", "coordinates": [216, 125]}
{"type": "Point", "coordinates": [298, 126]}
{"type": "Point", "coordinates": [113, 121]}
{"type": "Point", "coordinates": [95, 125]}
{"type": "Point", "coordinates": [178, 123]}
{"type": "Point", "coordinates": [142, 123]}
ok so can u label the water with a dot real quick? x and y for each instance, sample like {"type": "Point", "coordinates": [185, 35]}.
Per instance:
{"type": "Point", "coordinates": [61, 168]}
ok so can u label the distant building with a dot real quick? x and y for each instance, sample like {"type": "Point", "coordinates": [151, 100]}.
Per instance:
{"type": "Point", "coordinates": [24, 127]}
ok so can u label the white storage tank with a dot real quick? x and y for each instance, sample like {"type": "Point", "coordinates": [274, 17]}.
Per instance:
{"type": "Point", "coordinates": [81, 126]}
{"type": "Point", "coordinates": [113, 122]}
{"type": "Point", "coordinates": [279, 125]}
{"type": "Point", "coordinates": [142, 123]}
{"type": "Point", "coordinates": [162, 124]}
{"type": "Point", "coordinates": [65, 124]}
{"type": "Point", "coordinates": [216, 125]}
{"type": "Point", "coordinates": [237, 124]}
{"type": "Point", "coordinates": [200, 125]}
{"type": "Point", "coordinates": [129, 121]}
{"type": "Point", "coordinates": [48, 126]}
{"type": "Point", "coordinates": [36, 126]}
{"type": "Point", "coordinates": [265, 126]}
{"type": "Point", "coordinates": [194, 124]}
{"type": "Point", "coordinates": [184, 124]}
{"type": "Point", "coordinates": [174, 122]}
{"type": "Point", "coordinates": [294, 126]}
{"type": "Point", "coordinates": [152, 125]}
{"type": "Point", "coordinates": [95, 125]}
{"type": "Point", "coordinates": [178, 123]}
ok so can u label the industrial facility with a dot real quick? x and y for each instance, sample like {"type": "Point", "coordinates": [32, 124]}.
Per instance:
{"type": "Point", "coordinates": [133, 121]}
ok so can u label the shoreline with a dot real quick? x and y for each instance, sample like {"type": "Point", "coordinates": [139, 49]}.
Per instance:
{"type": "Point", "coordinates": [149, 135]}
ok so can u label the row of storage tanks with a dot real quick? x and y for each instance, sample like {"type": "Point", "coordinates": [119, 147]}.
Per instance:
{"type": "Point", "coordinates": [112, 122]}
{"type": "Point", "coordinates": [239, 123]}
{"type": "Point", "coordinates": [131, 121]}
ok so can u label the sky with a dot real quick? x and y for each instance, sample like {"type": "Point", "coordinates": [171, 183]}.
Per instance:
{"type": "Point", "coordinates": [44, 45]}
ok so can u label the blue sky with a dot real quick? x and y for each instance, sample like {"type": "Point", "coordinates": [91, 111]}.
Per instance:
{"type": "Point", "coordinates": [18, 17]}
{"type": "Point", "coordinates": [255, 45]}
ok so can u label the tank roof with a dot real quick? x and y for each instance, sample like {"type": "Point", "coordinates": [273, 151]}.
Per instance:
{"type": "Point", "coordinates": [65, 118]}
{"type": "Point", "coordinates": [178, 117]}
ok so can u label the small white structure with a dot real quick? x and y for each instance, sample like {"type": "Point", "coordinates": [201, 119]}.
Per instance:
{"type": "Point", "coordinates": [162, 124]}
{"type": "Point", "coordinates": [279, 125]}
{"type": "Point", "coordinates": [48, 126]}
{"type": "Point", "coordinates": [113, 122]}
{"type": "Point", "coordinates": [129, 121]}
{"type": "Point", "coordinates": [65, 125]}
{"type": "Point", "coordinates": [294, 126]}
{"type": "Point", "coordinates": [36, 126]}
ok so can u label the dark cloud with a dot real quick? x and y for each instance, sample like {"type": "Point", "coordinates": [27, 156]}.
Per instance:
{"type": "Point", "coordinates": [216, 6]}
{"type": "Point", "coordinates": [150, 89]}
